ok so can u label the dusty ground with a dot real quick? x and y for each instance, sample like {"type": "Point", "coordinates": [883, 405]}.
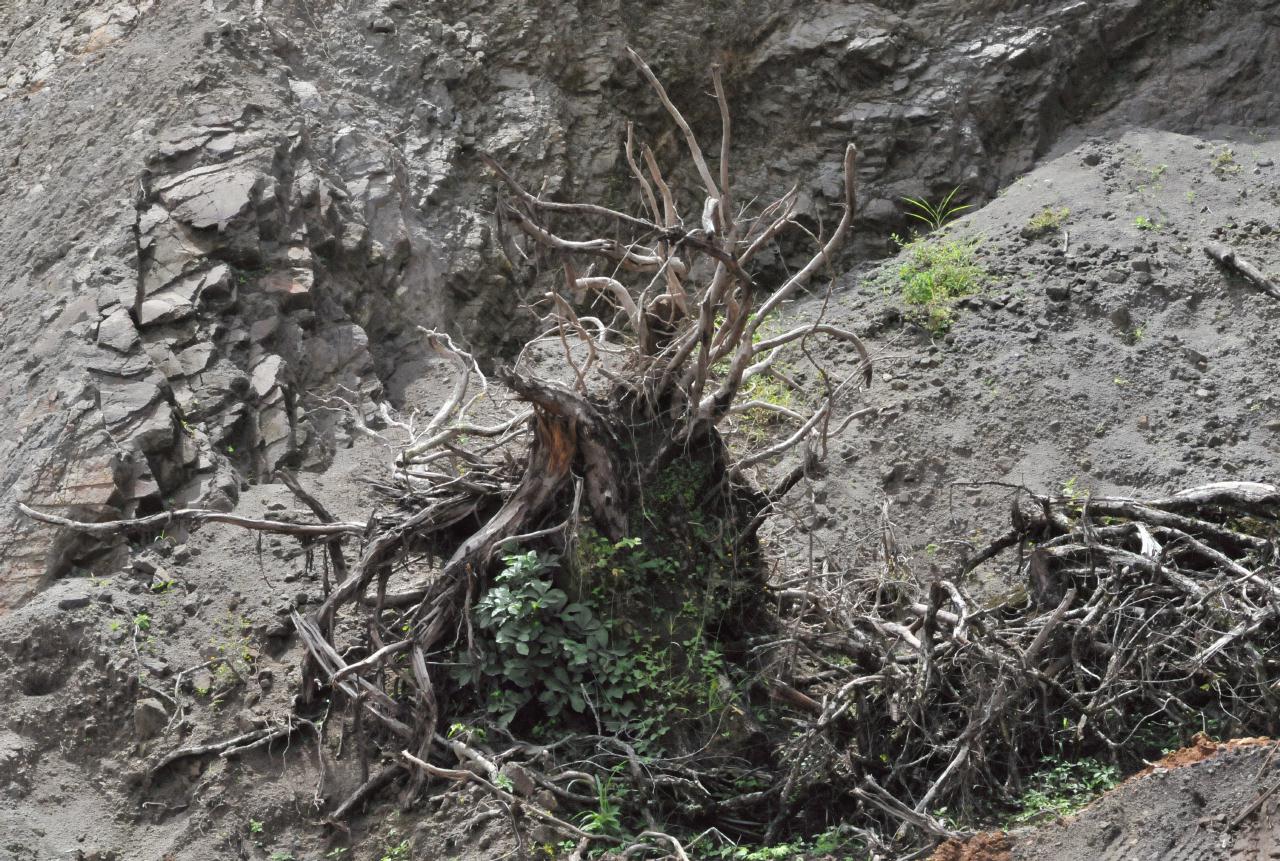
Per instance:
{"type": "Point", "coordinates": [1198, 810]}
{"type": "Point", "coordinates": [1111, 354]}
{"type": "Point", "coordinates": [1206, 801]}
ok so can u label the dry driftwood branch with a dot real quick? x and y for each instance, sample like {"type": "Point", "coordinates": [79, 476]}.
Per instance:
{"type": "Point", "coordinates": [1230, 259]}
{"type": "Point", "coordinates": [695, 150]}
{"type": "Point", "coordinates": [232, 746]}
{"type": "Point", "coordinates": [193, 516]}
{"type": "Point", "coordinates": [334, 545]}
{"type": "Point", "coordinates": [466, 776]}
{"type": "Point", "coordinates": [1146, 619]}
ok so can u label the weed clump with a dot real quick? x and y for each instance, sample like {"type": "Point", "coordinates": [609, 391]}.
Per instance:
{"type": "Point", "coordinates": [936, 272]}
{"type": "Point", "coordinates": [936, 215]}
{"type": "Point", "coordinates": [1064, 786]}
{"type": "Point", "coordinates": [574, 658]}
{"type": "Point", "coordinates": [1224, 163]}
{"type": "Point", "coordinates": [1047, 220]}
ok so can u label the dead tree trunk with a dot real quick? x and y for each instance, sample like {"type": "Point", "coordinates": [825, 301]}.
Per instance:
{"type": "Point", "coordinates": [623, 447]}
{"type": "Point", "coordinates": [616, 463]}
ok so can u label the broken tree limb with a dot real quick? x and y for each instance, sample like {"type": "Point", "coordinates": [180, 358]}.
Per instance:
{"type": "Point", "coordinates": [467, 776]}
{"type": "Point", "coordinates": [1230, 259]}
{"type": "Point", "coordinates": [107, 528]}
{"type": "Point", "coordinates": [333, 546]}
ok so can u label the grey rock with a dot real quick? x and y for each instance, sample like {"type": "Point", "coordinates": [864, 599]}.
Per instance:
{"type": "Point", "coordinates": [265, 374]}
{"type": "Point", "coordinates": [210, 197]}
{"type": "Point", "coordinates": [522, 781]}
{"type": "Point", "coordinates": [149, 718]}
{"type": "Point", "coordinates": [117, 331]}
{"type": "Point", "coordinates": [1121, 318]}
{"type": "Point", "coordinates": [180, 297]}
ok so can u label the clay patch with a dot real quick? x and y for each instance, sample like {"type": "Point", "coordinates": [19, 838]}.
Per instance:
{"type": "Point", "coordinates": [991, 846]}
{"type": "Point", "coordinates": [1201, 748]}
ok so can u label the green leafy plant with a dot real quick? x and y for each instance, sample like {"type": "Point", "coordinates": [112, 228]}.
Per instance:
{"type": "Point", "coordinates": [934, 273]}
{"type": "Point", "coordinates": [255, 826]}
{"type": "Point", "coordinates": [1224, 162]}
{"type": "Point", "coordinates": [548, 649]}
{"type": "Point", "coordinates": [1063, 787]}
{"type": "Point", "coordinates": [830, 843]}
{"type": "Point", "coordinates": [141, 622]}
{"type": "Point", "coordinates": [935, 214]}
{"type": "Point", "coordinates": [1142, 222]}
{"type": "Point", "coordinates": [606, 819]}
{"type": "Point", "coordinates": [231, 654]}
{"type": "Point", "coordinates": [774, 395]}
{"type": "Point", "coordinates": [466, 733]}
{"type": "Point", "coordinates": [396, 851]}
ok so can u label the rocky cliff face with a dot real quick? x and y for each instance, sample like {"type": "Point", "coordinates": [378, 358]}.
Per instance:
{"type": "Point", "coordinates": [221, 220]}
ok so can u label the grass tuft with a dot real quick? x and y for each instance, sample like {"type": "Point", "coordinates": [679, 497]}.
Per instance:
{"type": "Point", "coordinates": [936, 272]}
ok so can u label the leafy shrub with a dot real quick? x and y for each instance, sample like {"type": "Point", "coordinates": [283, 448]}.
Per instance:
{"type": "Point", "coordinates": [547, 650]}
{"type": "Point", "coordinates": [1064, 787]}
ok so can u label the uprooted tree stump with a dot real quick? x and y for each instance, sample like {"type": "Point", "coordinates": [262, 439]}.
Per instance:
{"type": "Point", "coordinates": [599, 565]}
{"type": "Point", "coordinates": [600, 551]}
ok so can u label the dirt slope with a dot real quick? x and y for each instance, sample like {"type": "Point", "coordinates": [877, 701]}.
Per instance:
{"type": "Point", "coordinates": [1199, 811]}
{"type": "Point", "coordinates": [1030, 374]}
{"type": "Point", "coordinates": [1110, 353]}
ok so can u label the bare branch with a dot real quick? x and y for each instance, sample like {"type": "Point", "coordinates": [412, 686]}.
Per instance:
{"type": "Point", "coordinates": [645, 189]}
{"type": "Point", "coordinates": [695, 151]}
{"type": "Point", "coordinates": [564, 208]}
{"type": "Point", "coordinates": [106, 528]}
{"type": "Point", "coordinates": [728, 227]}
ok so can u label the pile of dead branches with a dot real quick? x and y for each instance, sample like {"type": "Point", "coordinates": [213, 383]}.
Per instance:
{"type": "Point", "coordinates": [1139, 619]}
